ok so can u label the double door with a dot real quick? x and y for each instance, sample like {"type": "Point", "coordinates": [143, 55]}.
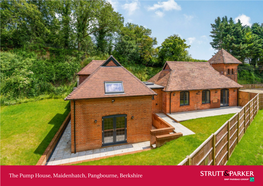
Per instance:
{"type": "Point", "coordinates": [224, 97]}
{"type": "Point", "coordinates": [114, 129]}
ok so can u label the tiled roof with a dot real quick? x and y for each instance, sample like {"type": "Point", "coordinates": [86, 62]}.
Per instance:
{"type": "Point", "coordinates": [193, 76]}
{"type": "Point", "coordinates": [223, 56]}
{"type": "Point", "coordinates": [93, 86]}
{"type": "Point", "coordinates": [91, 67]}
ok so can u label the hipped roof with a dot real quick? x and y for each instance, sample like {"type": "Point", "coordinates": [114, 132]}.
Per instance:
{"type": "Point", "coordinates": [93, 86]}
{"type": "Point", "coordinates": [223, 56]}
{"type": "Point", "coordinates": [184, 76]}
{"type": "Point", "coordinates": [91, 67]}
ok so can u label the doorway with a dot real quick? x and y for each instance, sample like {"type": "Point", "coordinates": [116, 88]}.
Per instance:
{"type": "Point", "coordinates": [114, 129]}
{"type": "Point", "coordinates": [224, 98]}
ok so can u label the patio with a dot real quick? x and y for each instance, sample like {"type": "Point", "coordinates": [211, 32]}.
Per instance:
{"type": "Point", "coordinates": [183, 116]}
{"type": "Point", "coordinates": [62, 153]}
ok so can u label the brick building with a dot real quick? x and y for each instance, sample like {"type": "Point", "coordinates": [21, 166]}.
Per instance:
{"type": "Point", "coordinates": [112, 106]}
{"type": "Point", "coordinates": [197, 85]}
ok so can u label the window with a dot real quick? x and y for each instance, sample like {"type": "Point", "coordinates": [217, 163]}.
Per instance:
{"type": "Point", "coordinates": [205, 96]}
{"type": "Point", "coordinates": [232, 71]}
{"type": "Point", "coordinates": [228, 71]}
{"type": "Point", "coordinates": [184, 98]}
{"type": "Point", "coordinates": [113, 87]}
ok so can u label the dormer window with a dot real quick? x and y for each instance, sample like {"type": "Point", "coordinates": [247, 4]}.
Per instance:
{"type": "Point", "coordinates": [113, 87]}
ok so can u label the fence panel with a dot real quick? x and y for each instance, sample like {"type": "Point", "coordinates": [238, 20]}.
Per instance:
{"type": "Point", "coordinates": [217, 149]}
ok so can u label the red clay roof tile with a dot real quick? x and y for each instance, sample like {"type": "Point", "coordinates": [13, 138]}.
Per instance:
{"type": "Point", "coordinates": [91, 67]}
{"type": "Point", "coordinates": [193, 76]}
{"type": "Point", "coordinates": [223, 56]}
{"type": "Point", "coordinates": [93, 86]}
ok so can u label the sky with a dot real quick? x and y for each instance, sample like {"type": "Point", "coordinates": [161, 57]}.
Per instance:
{"type": "Point", "coordinates": [191, 20]}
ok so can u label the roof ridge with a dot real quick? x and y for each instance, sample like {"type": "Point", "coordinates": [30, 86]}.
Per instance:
{"type": "Point", "coordinates": [108, 60]}
{"type": "Point", "coordinates": [138, 79]}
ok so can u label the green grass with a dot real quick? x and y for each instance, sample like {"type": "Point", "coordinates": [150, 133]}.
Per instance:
{"type": "Point", "coordinates": [28, 128]}
{"type": "Point", "coordinates": [249, 151]}
{"type": "Point", "coordinates": [173, 152]}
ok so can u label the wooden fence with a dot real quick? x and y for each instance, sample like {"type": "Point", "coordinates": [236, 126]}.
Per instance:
{"type": "Point", "coordinates": [217, 149]}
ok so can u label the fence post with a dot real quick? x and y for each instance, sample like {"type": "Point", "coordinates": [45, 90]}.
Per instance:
{"type": "Point", "coordinates": [228, 140]}
{"type": "Point", "coordinates": [249, 112]}
{"type": "Point", "coordinates": [245, 116]}
{"type": "Point", "coordinates": [238, 122]}
{"type": "Point", "coordinates": [257, 103]}
{"type": "Point", "coordinates": [189, 161]}
{"type": "Point", "coordinates": [214, 149]}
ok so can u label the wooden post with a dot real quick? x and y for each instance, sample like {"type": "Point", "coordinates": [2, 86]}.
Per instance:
{"type": "Point", "coordinates": [249, 113]}
{"type": "Point", "coordinates": [257, 103]}
{"type": "Point", "coordinates": [238, 122]}
{"type": "Point", "coordinates": [228, 140]}
{"type": "Point", "coordinates": [245, 115]}
{"type": "Point", "coordinates": [189, 161]}
{"type": "Point", "coordinates": [214, 149]}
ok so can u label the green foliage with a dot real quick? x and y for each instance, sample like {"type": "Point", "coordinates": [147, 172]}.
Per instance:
{"type": "Point", "coordinates": [134, 45]}
{"type": "Point", "coordinates": [248, 74]}
{"type": "Point", "coordinates": [24, 75]}
{"type": "Point", "coordinates": [173, 49]}
{"type": "Point", "coordinates": [243, 42]}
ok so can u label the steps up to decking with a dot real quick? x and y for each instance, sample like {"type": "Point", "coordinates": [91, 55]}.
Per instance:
{"type": "Point", "coordinates": [178, 127]}
{"type": "Point", "coordinates": [163, 132]}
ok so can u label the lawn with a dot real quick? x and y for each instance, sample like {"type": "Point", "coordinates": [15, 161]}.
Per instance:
{"type": "Point", "coordinates": [249, 151]}
{"type": "Point", "coordinates": [173, 152]}
{"type": "Point", "coordinates": [28, 128]}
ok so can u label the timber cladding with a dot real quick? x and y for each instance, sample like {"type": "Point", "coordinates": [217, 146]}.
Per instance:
{"type": "Point", "coordinates": [88, 134]}
{"type": "Point", "coordinates": [217, 149]}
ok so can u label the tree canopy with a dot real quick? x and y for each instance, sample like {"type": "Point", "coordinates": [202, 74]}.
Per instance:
{"type": "Point", "coordinates": [243, 42]}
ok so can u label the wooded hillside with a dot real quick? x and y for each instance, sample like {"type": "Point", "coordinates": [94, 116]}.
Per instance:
{"type": "Point", "coordinates": [45, 43]}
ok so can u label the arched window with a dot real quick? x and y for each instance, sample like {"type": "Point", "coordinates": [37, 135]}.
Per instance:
{"type": "Point", "coordinates": [232, 71]}
{"type": "Point", "coordinates": [228, 71]}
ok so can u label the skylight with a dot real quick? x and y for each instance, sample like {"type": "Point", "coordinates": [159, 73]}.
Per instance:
{"type": "Point", "coordinates": [114, 87]}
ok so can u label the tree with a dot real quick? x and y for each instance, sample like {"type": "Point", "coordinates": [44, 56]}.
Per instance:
{"type": "Point", "coordinates": [108, 23]}
{"type": "Point", "coordinates": [135, 45]}
{"type": "Point", "coordinates": [22, 24]}
{"type": "Point", "coordinates": [173, 49]}
{"type": "Point", "coordinates": [242, 42]}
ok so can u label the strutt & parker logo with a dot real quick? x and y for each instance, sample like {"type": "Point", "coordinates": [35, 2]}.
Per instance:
{"type": "Point", "coordinates": [230, 175]}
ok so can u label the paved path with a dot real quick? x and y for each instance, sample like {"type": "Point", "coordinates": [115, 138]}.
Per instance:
{"type": "Point", "coordinates": [63, 155]}
{"type": "Point", "coordinates": [177, 126]}
{"type": "Point", "coordinates": [183, 116]}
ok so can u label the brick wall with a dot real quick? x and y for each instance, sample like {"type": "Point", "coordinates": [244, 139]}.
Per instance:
{"type": "Point", "coordinates": [196, 100]}
{"type": "Point", "coordinates": [89, 133]}
{"type": "Point", "coordinates": [223, 69]}
{"type": "Point", "coordinates": [111, 63]}
{"type": "Point", "coordinates": [166, 101]}
{"type": "Point", "coordinates": [82, 78]}
{"type": "Point", "coordinates": [157, 102]}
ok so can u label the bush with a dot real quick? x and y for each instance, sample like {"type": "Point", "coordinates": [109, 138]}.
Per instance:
{"type": "Point", "coordinates": [248, 74]}
{"type": "Point", "coordinates": [24, 74]}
